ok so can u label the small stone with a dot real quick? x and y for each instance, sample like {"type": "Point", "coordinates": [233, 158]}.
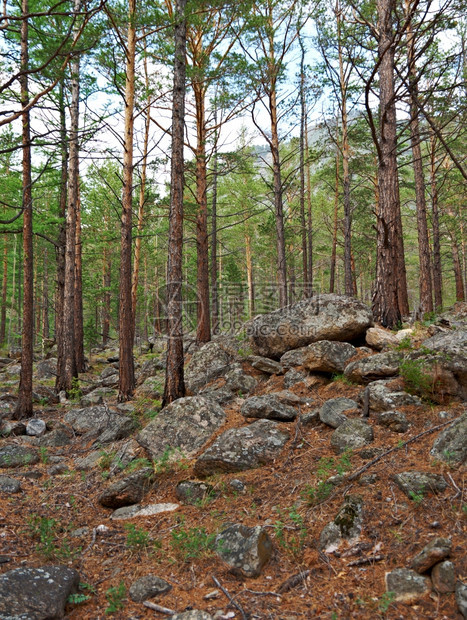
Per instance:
{"type": "Point", "coordinates": [443, 577]}
{"type": "Point", "coordinates": [461, 597]}
{"type": "Point", "coordinates": [292, 377]}
{"type": "Point", "coordinates": [311, 418]}
{"type": "Point", "coordinates": [237, 485]}
{"type": "Point", "coordinates": [431, 554]}
{"type": "Point", "coordinates": [148, 587]}
{"type": "Point", "coordinates": [194, 491]}
{"type": "Point", "coordinates": [129, 490]}
{"type": "Point", "coordinates": [352, 434]}
{"type": "Point", "coordinates": [193, 614]}
{"type": "Point", "coordinates": [416, 485]}
{"type": "Point", "coordinates": [58, 469]}
{"type": "Point", "coordinates": [395, 421]}
{"type": "Point", "coordinates": [268, 407]}
{"type": "Point", "coordinates": [407, 585]}
{"type": "Point", "coordinates": [245, 549]}
{"type": "Point", "coordinates": [332, 412]}
{"type": "Point", "coordinates": [130, 512]}
{"type": "Point", "coordinates": [9, 485]}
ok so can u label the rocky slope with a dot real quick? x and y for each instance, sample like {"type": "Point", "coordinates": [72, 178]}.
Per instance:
{"type": "Point", "coordinates": [316, 470]}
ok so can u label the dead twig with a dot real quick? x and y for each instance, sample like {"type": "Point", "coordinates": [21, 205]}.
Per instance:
{"type": "Point", "coordinates": [266, 593]}
{"type": "Point", "coordinates": [92, 543]}
{"type": "Point", "coordinates": [231, 599]}
{"type": "Point", "coordinates": [159, 608]}
{"type": "Point", "coordinates": [369, 560]}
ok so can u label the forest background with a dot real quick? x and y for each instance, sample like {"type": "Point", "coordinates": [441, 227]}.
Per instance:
{"type": "Point", "coordinates": [272, 150]}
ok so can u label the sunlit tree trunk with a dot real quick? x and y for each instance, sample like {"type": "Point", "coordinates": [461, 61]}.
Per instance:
{"type": "Point", "coordinates": [4, 290]}
{"type": "Point", "coordinates": [437, 272]}
{"type": "Point", "coordinates": [78, 322]}
{"type": "Point", "coordinates": [23, 407]}
{"type": "Point", "coordinates": [126, 383]}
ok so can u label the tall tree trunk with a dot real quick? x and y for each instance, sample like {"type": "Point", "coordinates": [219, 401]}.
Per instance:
{"type": "Point", "coordinates": [78, 322]}
{"type": "Point", "coordinates": [456, 261]}
{"type": "Point", "coordinates": [332, 277]}
{"type": "Point", "coordinates": [249, 274]}
{"type": "Point", "coordinates": [24, 407]}
{"type": "Point", "coordinates": [309, 287]}
{"type": "Point", "coordinates": [174, 377]}
{"type": "Point", "coordinates": [142, 190]}
{"type": "Point", "coordinates": [126, 383]}
{"type": "Point", "coordinates": [303, 226]}
{"type": "Point", "coordinates": [4, 290]}
{"type": "Point", "coordinates": [66, 364]}
{"type": "Point", "coordinates": [214, 266]}
{"type": "Point", "coordinates": [348, 275]}
{"type": "Point", "coordinates": [425, 282]}
{"type": "Point", "coordinates": [203, 332]}
{"type": "Point", "coordinates": [437, 273]}
{"type": "Point", "coordinates": [386, 301]}
{"type": "Point", "coordinates": [106, 282]}
{"type": "Point", "coordinates": [45, 299]}
{"type": "Point", "coordinates": [61, 248]}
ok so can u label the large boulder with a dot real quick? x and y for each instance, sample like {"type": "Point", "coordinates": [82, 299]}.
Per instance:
{"type": "Point", "coordinates": [183, 427]}
{"type": "Point", "coordinates": [374, 367]}
{"type": "Point", "coordinates": [332, 412]}
{"type": "Point", "coordinates": [13, 455]}
{"type": "Point", "coordinates": [323, 317]}
{"type": "Point", "coordinates": [328, 356]}
{"type": "Point", "coordinates": [46, 369]}
{"type": "Point", "coordinates": [37, 593]}
{"type": "Point", "coordinates": [407, 585]}
{"type": "Point", "coordinates": [239, 449]}
{"type": "Point", "coordinates": [99, 420]}
{"type": "Point", "coordinates": [128, 491]}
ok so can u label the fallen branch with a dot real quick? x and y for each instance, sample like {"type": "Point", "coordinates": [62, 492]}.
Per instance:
{"type": "Point", "coordinates": [231, 599]}
{"type": "Point", "coordinates": [159, 608]}
{"type": "Point", "coordinates": [369, 560]}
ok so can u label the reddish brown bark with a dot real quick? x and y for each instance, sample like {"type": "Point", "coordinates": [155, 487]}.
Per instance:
{"type": "Point", "coordinates": [174, 376]}
{"type": "Point", "coordinates": [4, 290]}
{"type": "Point", "coordinates": [24, 407]}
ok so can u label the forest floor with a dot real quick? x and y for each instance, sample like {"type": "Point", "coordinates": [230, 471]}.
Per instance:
{"type": "Point", "coordinates": [40, 524]}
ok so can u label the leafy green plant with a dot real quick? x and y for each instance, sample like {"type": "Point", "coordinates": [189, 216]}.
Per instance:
{"type": "Point", "coordinates": [417, 498]}
{"type": "Point", "coordinates": [137, 538]}
{"type": "Point", "coordinates": [78, 598]}
{"type": "Point", "coordinates": [136, 464]}
{"type": "Point", "coordinates": [115, 597]}
{"type": "Point", "coordinates": [43, 455]}
{"type": "Point", "coordinates": [405, 344]}
{"type": "Point", "coordinates": [106, 459]}
{"type": "Point", "coordinates": [75, 392]}
{"type": "Point", "coordinates": [50, 541]}
{"type": "Point", "coordinates": [386, 601]}
{"type": "Point", "coordinates": [290, 531]}
{"type": "Point", "coordinates": [342, 379]}
{"type": "Point", "coordinates": [326, 466]}
{"type": "Point", "coordinates": [168, 460]}
{"type": "Point", "coordinates": [415, 376]}
{"type": "Point", "coordinates": [192, 543]}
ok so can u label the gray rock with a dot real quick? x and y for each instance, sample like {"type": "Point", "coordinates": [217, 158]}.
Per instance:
{"type": "Point", "coordinates": [220, 396]}
{"type": "Point", "coordinates": [293, 358]}
{"type": "Point", "coordinates": [239, 449]}
{"type": "Point", "coordinates": [193, 614]}
{"type": "Point", "coordinates": [13, 370]}
{"type": "Point", "coordinates": [237, 380]}
{"type": "Point", "coordinates": [382, 397]}
{"type": "Point", "coordinates": [126, 453]}
{"type": "Point", "coordinates": [292, 377]}
{"type": "Point", "coordinates": [237, 485]}
{"type": "Point", "coordinates": [35, 427]}
{"type": "Point", "coordinates": [110, 371]}
{"type": "Point", "coordinates": [128, 491]}
{"type": "Point", "coordinates": [100, 420]}
{"type": "Point", "coordinates": [416, 484]}
{"type": "Point", "coordinates": [37, 593]}
{"type": "Point", "coordinates": [347, 525]}
{"type": "Point", "coordinates": [89, 461]}
{"type": "Point", "coordinates": [461, 597]}
{"type": "Point", "coordinates": [131, 512]}
{"type": "Point", "coordinates": [266, 365]}
{"type": "Point", "coordinates": [452, 350]}
{"type": "Point", "coordinates": [443, 577]}
{"type": "Point", "coordinates": [194, 491]}
{"type": "Point", "coordinates": [185, 425]}
{"type": "Point", "coordinates": [332, 412]}
{"type": "Point", "coordinates": [245, 549]}
{"type": "Point", "coordinates": [148, 587]}
{"type": "Point", "coordinates": [268, 407]}
{"type": "Point", "coordinates": [9, 485]}
{"type": "Point", "coordinates": [323, 317]}
{"type": "Point", "coordinates": [150, 368]}
{"type": "Point", "coordinates": [97, 396]}
{"type": "Point", "coordinates": [378, 338]}
{"type": "Point", "coordinates": [451, 444]}
{"type": "Point", "coordinates": [374, 367]}
{"type": "Point", "coordinates": [352, 435]}
{"type": "Point", "coordinates": [12, 429]}
{"type": "Point", "coordinates": [152, 387]}
{"type": "Point", "coordinates": [58, 469]}
{"type": "Point", "coordinates": [46, 369]}
{"type": "Point", "coordinates": [328, 356]}
{"type": "Point", "coordinates": [208, 363]}
{"type": "Point", "coordinates": [289, 398]}
{"type": "Point", "coordinates": [393, 420]}
{"type": "Point", "coordinates": [311, 418]}
{"type": "Point", "coordinates": [407, 585]}
{"type": "Point", "coordinates": [13, 455]}
{"type": "Point", "coordinates": [436, 550]}
{"type": "Point", "coordinates": [55, 439]}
